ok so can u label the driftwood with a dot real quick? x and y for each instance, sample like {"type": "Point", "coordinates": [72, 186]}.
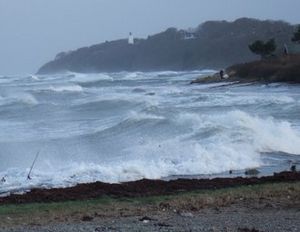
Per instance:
{"type": "Point", "coordinates": [36, 156]}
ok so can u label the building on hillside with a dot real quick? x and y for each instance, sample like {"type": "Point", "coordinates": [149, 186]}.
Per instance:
{"type": "Point", "coordinates": [188, 34]}
{"type": "Point", "coordinates": [130, 39]}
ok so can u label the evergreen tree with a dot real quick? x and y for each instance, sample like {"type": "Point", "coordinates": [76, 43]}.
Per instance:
{"type": "Point", "coordinates": [296, 37]}
{"type": "Point", "coordinates": [264, 49]}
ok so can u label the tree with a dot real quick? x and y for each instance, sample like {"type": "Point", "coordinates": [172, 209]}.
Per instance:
{"type": "Point", "coordinates": [296, 37]}
{"type": "Point", "coordinates": [264, 49]}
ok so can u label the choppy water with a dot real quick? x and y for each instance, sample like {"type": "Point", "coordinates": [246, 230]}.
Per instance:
{"type": "Point", "coordinates": [128, 126]}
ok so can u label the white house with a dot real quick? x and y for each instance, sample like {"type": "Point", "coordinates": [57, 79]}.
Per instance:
{"type": "Point", "coordinates": [130, 39]}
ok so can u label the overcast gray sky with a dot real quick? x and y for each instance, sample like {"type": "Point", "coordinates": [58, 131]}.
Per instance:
{"type": "Point", "coordinates": [32, 32]}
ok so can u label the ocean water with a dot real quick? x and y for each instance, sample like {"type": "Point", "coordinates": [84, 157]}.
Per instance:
{"type": "Point", "coordinates": [116, 127]}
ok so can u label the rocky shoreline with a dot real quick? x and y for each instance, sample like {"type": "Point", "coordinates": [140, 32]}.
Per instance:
{"type": "Point", "coordinates": [276, 69]}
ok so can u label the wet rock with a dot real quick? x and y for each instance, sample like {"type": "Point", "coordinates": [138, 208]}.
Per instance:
{"type": "Point", "coordinates": [87, 218]}
{"type": "Point", "coordinates": [162, 224]}
{"type": "Point", "coordinates": [146, 219]}
{"type": "Point", "coordinates": [252, 172]}
{"type": "Point", "coordinates": [215, 78]}
{"type": "Point", "coordinates": [293, 168]}
{"type": "Point", "coordinates": [248, 230]}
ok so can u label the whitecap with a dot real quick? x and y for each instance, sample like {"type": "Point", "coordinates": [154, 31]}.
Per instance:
{"type": "Point", "coordinates": [24, 98]}
{"type": "Point", "coordinates": [66, 88]}
{"type": "Point", "coordinates": [86, 78]}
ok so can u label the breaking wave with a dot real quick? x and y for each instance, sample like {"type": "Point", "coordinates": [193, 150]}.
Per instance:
{"type": "Point", "coordinates": [66, 88]}
{"type": "Point", "coordinates": [127, 126]}
{"type": "Point", "coordinates": [83, 78]}
{"type": "Point", "coordinates": [18, 98]}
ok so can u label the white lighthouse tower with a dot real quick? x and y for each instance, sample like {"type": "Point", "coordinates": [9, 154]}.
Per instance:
{"type": "Point", "coordinates": [130, 39]}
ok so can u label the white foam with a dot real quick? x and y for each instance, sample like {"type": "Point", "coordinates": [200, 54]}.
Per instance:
{"type": "Point", "coordinates": [153, 160]}
{"type": "Point", "coordinates": [236, 141]}
{"type": "Point", "coordinates": [239, 99]}
{"type": "Point", "coordinates": [36, 78]}
{"type": "Point", "coordinates": [84, 78]}
{"type": "Point", "coordinates": [131, 76]}
{"type": "Point", "coordinates": [142, 116]}
{"type": "Point", "coordinates": [269, 134]}
{"type": "Point", "coordinates": [177, 157]}
{"type": "Point", "coordinates": [263, 134]}
{"type": "Point", "coordinates": [167, 73]}
{"type": "Point", "coordinates": [66, 88]}
{"type": "Point", "coordinates": [18, 97]}
{"type": "Point", "coordinates": [27, 99]}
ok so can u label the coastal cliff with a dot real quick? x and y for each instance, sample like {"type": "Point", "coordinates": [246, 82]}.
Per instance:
{"type": "Point", "coordinates": [213, 44]}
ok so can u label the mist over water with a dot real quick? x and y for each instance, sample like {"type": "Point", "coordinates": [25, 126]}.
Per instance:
{"type": "Point", "coordinates": [115, 127]}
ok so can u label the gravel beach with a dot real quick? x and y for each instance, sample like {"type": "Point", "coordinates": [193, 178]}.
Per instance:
{"type": "Point", "coordinates": [233, 218]}
{"type": "Point", "coordinates": [262, 208]}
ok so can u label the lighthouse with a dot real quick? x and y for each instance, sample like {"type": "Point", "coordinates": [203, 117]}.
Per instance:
{"type": "Point", "coordinates": [130, 39]}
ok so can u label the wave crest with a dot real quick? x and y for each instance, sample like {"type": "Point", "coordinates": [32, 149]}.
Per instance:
{"type": "Point", "coordinates": [66, 88]}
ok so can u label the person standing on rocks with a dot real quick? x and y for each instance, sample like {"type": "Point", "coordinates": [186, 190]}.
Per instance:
{"type": "Point", "coordinates": [286, 50]}
{"type": "Point", "coordinates": [222, 74]}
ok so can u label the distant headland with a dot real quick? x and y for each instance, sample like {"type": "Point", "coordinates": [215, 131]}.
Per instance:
{"type": "Point", "coordinates": [213, 45]}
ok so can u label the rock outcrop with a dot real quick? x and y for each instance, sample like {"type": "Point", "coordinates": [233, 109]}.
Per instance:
{"type": "Point", "coordinates": [285, 68]}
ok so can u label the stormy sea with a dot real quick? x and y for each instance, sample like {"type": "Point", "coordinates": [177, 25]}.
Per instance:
{"type": "Point", "coordinates": [116, 127]}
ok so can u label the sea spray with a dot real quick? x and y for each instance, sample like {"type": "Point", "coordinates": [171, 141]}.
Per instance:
{"type": "Point", "coordinates": [264, 134]}
{"type": "Point", "coordinates": [269, 134]}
